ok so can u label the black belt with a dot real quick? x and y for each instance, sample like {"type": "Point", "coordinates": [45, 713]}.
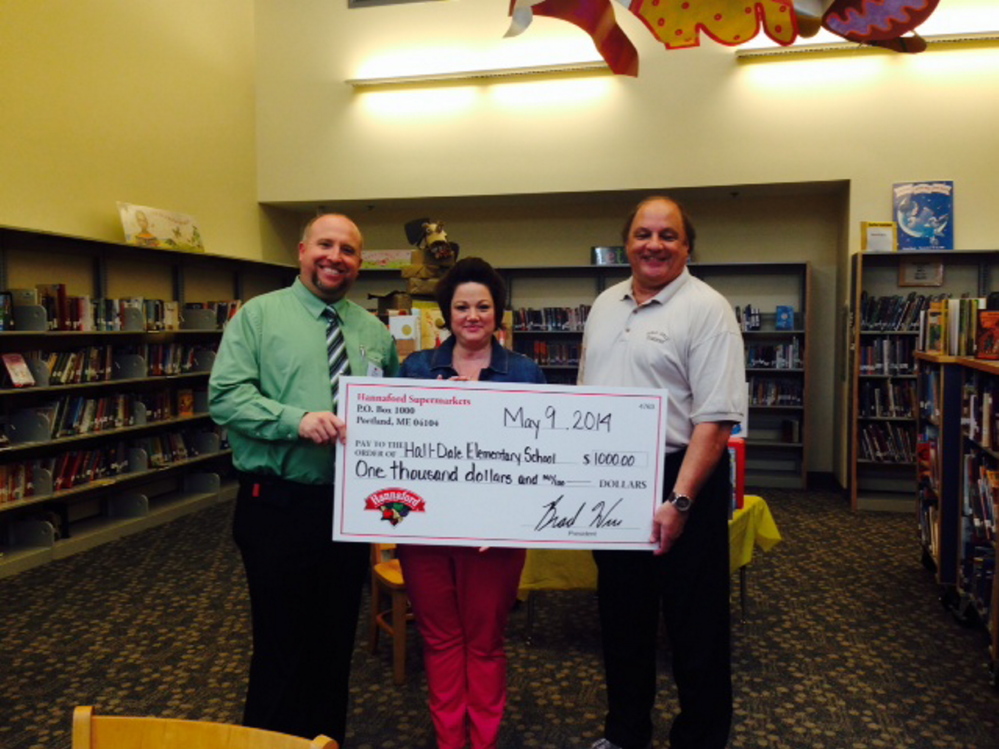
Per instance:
{"type": "Point", "coordinates": [319, 492]}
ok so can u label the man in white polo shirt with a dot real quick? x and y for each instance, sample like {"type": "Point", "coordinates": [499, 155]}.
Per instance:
{"type": "Point", "coordinates": [663, 328]}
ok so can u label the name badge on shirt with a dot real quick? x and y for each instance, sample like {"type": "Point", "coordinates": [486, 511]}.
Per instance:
{"type": "Point", "coordinates": [373, 369]}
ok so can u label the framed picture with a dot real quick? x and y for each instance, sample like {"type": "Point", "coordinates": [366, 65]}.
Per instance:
{"type": "Point", "coordinates": [921, 273]}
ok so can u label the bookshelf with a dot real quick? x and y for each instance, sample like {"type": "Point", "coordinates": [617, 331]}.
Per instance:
{"type": "Point", "coordinates": [938, 446]}
{"type": "Point", "coordinates": [777, 370]}
{"type": "Point", "coordinates": [887, 291]}
{"type": "Point", "coordinates": [550, 306]}
{"type": "Point", "coordinates": [114, 435]}
{"type": "Point", "coordinates": [977, 461]}
{"type": "Point", "coordinates": [776, 364]}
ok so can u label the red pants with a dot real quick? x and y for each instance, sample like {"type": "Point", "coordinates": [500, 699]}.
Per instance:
{"type": "Point", "coordinates": [462, 599]}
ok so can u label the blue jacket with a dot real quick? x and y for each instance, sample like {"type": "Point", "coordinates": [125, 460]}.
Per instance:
{"type": "Point", "coordinates": [504, 366]}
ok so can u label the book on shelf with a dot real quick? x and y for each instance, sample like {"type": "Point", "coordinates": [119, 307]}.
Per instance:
{"type": "Point", "coordinates": [171, 315]}
{"type": "Point", "coordinates": [887, 443]}
{"type": "Point", "coordinates": [987, 335]}
{"type": "Point", "coordinates": [17, 371]}
{"type": "Point", "coordinates": [225, 310]}
{"type": "Point", "coordinates": [887, 399]}
{"type": "Point", "coordinates": [988, 408]}
{"type": "Point", "coordinates": [784, 318]}
{"type": "Point", "coordinates": [152, 312]}
{"type": "Point", "coordinates": [885, 355]}
{"type": "Point", "coordinates": [926, 465]}
{"type": "Point", "coordinates": [737, 472]}
{"type": "Point", "coordinates": [6, 311]}
{"type": "Point", "coordinates": [893, 313]}
{"type": "Point", "coordinates": [88, 418]}
{"type": "Point", "coordinates": [52, 296]}
{"type": "Point", "coordinates": [153, 403]}
{"type": "Point", "coordinates": [608, 255]}
{"type": "Point", "coordinates": [548, 319]}
{"type": "Point", "coordinates": [779, 356]}
{"type": "Point", "coordinates": [990, 502]}
{"type": "Point", "coordinates": [924, 212]}
{"type": "Point", "coordinates": [748, 317]}
{"type": "Point", "coordinates": [962, 320]}
{"type": "Point", "coordinates": [185, 402]}
{"type": "Point", "coordinates": [771, 391]}
{"type": "Point", "coordinates": [80, 311]}
{"type": "Point", "coordinates": [936, 328]}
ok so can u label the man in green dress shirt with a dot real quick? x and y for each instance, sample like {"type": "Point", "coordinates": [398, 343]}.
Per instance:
{"type": "Point", "coordinates": [270, 386]}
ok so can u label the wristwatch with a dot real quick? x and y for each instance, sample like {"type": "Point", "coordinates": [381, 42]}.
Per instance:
{"type": "Point", "coordinates": [680, 501]}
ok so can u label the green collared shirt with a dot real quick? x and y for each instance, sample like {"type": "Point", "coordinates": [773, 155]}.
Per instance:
{"type": "Point", "coordinates": [271, 370]}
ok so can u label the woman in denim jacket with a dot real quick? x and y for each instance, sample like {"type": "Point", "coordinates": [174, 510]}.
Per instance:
{"type": "Point", "coordinates": [462, 596]}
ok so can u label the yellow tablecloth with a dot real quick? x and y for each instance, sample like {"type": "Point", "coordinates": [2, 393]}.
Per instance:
{"type": "Point", "coordinates": [550, 569]}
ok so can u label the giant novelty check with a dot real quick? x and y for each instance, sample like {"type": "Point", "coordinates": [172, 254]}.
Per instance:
{"type": "Point", "coordinates": [497, 464]}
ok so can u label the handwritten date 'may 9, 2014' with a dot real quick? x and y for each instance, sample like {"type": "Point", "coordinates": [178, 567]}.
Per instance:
{"type": "Point", "coordinates": [588, 421]}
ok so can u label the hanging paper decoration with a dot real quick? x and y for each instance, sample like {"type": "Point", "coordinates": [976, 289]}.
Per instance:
{"type": "Point", "coordinates": [680, 23]}
{"type": "Point", "coordinates": [882, 24]}
{"type": "Point", "coordinates": [595, 17]}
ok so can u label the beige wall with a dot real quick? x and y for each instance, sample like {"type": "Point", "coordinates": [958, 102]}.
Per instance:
{"type": "Point", "coordinates": [154, 103]}
{"type": "Point", "coordinates": [692, 119]}
{"type": "Point", "coordinates": [144, 102]}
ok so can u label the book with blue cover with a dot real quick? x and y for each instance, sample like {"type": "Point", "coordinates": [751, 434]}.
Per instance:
{"type": "Point", "coordinates": [784, 319]}
{"type": "Point", "coordinates": [924, 212]}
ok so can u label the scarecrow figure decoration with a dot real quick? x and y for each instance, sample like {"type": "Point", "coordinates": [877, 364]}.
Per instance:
{"type": "Point", "coordinates": [435, 254]}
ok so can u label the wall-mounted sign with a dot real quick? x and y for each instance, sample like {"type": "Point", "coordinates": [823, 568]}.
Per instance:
{"type": "Point", "coordinates": [154, 227]}
{"type": "Point", "coordinates": [921, 273]}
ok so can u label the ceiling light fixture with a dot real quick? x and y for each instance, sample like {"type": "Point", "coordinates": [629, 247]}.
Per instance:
{"type": "Point", "coordinates": [933, 42]}
{"type": "Point", "coordinates": [568, 69]}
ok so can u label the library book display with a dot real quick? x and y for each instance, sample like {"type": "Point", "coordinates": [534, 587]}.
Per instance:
{"type": "Point", "coordinates": [104, 393]}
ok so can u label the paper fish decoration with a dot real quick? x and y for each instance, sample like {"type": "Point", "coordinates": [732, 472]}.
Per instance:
{"type": "Point", "coordinates": [882, 24]}
{"type": "Point", "coordinates": [680, 23]}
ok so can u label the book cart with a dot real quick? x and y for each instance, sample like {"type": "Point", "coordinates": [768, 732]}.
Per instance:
{"type": "Point", "coordinates": [109, 432]}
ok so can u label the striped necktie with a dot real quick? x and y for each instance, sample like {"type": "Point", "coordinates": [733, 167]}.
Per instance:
{"type": "Point", "coordinates": [336, 350]}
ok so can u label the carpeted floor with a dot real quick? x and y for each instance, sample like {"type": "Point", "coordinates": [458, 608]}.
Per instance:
{"type": "Point", "coordinates": [847, 646]}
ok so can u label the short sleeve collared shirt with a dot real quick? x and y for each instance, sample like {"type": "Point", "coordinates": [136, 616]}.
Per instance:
{"type": "Point", "coordinates": [685, 340]}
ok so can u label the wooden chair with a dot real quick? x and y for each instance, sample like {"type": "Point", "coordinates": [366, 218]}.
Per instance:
{"type": "Point", "coordinates": [386, 577]}
{"type": "Point", "coordinates": [112, 732]}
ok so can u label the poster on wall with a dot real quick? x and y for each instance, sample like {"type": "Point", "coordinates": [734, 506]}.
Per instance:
{"type": "Point", "coordinates": [924, 212]}
{"type": "Point", "coordinates": [154, 227]}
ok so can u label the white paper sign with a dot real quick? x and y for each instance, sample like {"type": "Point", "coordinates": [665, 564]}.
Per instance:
{"type": "Point", "coordinates": [497, 464]}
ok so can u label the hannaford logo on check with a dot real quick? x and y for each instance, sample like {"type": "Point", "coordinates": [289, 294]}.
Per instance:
{"type": "Point", "coordinates": [395, 504]}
